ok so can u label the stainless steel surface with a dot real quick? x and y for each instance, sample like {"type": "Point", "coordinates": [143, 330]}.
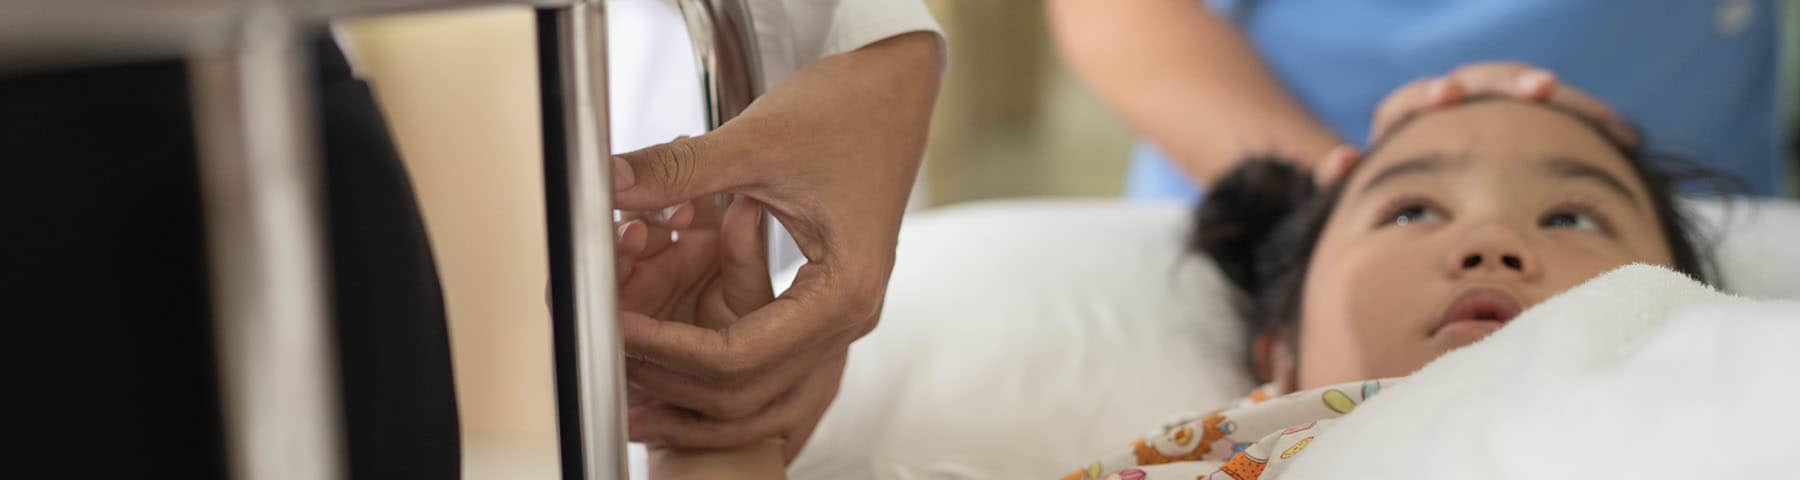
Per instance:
{"type": "Point", "coordinates": [277, 364]}
{"type": "Point", "coordinates": [725, 48]}
{"type": "Point", "coordinates": [600, 354]}
{"type": "Point", "coordinates": [45, 34]}
{"type": "Point", "coordinates": [730, 78]}
{"type": "Point", "coordinates": [321, 9]}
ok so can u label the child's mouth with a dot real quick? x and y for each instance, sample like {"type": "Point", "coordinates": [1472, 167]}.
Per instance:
{"type": "Point", "coordinates": [1478, 312]}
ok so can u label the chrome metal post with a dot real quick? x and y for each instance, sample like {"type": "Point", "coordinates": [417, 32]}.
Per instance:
{"type": "Point", "coordinates": [277, 361]}
{"type": "Point", "coordinates": [730, 74]}
{"type": "Point", "coordinates": [578, 187]}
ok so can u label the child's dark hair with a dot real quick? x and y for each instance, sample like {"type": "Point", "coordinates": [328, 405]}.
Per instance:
{"type": "Point", "coordinates": [1261, 222]}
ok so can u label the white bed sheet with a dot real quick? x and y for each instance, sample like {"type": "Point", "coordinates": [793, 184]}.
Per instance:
{"type": "Point", "coordinates": [1023, 337]}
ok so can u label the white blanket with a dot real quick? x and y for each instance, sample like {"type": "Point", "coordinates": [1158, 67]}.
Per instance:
{"type": "Point", "coordinates": [1640, 373]}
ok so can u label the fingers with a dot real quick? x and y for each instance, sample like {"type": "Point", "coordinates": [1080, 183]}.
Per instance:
{"type": "Point", "coordinates": [802, 318]}
{"type": "Point", "coordinates": [635, 397]}
{"type": "Point", "coordinates": [664, 425]}
{"type": "Point", "coordinates": [1417, 95]}
{"type": "Point", "coordinates": [1337, 164]}
{"type": "Point", "coordinates": [1513, 79]}
{"type": "Point", "coordinates": [814, 398]}
{"type": "Point", "coordinates": [654, 264]}
{"type": "Point", "coordinates": [1412, 97]}
{"type": "Point", "coordinates": [724, 401]}
{"type": "Point", "coordinates": [657, 238]}
{"type": "Point", "coordinates": [792, 416]}
{"type": "Point", "coordinates": [1518, 80]}
{"type": "Point", "coordinates": [632, 236]}
{"type": "Point", "coordinates": [743, 259]}
{"type": "Point", "coordinates": [657, 228]}
{"type": "Point", "coordinates": [687, 168]}
{"type": "Point", "coordinates": [685, 348]}
{"type": "Point", "coordinates": [645, 276]}
{"type": "Point", "coordinates": [1531, 83]}
{"type": "Point", "coordinates": [658, 283]}
{"type": "Point", "coordinates": [679, 216]}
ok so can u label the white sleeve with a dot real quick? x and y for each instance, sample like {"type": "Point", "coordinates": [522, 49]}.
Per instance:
{"type": "Point", "coordinates": [794, 33]}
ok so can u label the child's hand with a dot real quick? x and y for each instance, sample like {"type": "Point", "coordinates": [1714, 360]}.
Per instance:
{"type": "Point", "coordinates": [710, 272]}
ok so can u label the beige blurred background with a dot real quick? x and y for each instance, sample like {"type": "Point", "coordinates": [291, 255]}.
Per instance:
{"type": "Point", "coordinates": [459, 89]}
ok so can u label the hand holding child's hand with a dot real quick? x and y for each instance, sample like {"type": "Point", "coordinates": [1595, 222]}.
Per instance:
{"type": "Point", "coordinates": [702, 265]}
{"type": "Point", "coordinates": [710, 272]}
{"type": "Point", "coordinates": [715, 274]}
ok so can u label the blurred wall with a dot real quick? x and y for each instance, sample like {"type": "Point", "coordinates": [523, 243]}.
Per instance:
{"type": "Point", "coordinates": [1011, 120]}
{"type": "Point", "coordinates": [460, 92]}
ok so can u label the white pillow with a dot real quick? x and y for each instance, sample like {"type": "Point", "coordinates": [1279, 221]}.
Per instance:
{"type": "Point", "coordinates": [1020, 338]}
{"type": "Point", "coordinates": [1023, 338]}
{"type": "Point", "coordinates": [1758, 250]}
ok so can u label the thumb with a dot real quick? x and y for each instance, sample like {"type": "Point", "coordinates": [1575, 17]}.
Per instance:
{"type": "Point", "coordinates": [743, 259]}
{"type": "Point", "coordinates": [1337, 164]}
{"type": "Point", "coordinates": [662, 175]}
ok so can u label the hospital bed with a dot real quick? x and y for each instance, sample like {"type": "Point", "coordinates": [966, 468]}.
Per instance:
{"type": "Point", "coordinates": [1018, 336]}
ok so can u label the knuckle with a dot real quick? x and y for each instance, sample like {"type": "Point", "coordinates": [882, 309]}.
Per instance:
{"type": "Point", "coordinates": [732, 367]}
{"type": "Point", "coordinates": [673, 165]}
{"type": "Point", "coordinates": [721, 404]}
{"type": "Point", "coordinates": [863, 311]}
{"type": "Point", "coordinates": [868, 326]}
{"type": "Point", "coordinates": [686, 156]}
{"type": "Point", "coordinates": [1490, 66]}
{"type": "Point", "coordinates": [663, 164]}
{"type": "Point", "coordinates": [734, 405]}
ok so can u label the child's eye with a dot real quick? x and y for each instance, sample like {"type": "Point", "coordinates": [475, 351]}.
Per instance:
{"type": "Point", "coordinates": [1415, 213]}
{"type": "Point", "coordinates": [1570, 220]}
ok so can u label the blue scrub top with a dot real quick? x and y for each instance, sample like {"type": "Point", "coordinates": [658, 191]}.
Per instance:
{"type": "Point", "coordinates": [1698, 76]}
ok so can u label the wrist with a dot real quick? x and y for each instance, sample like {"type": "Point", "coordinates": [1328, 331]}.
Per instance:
{"type": "Point", "coordinates": [755, 461]}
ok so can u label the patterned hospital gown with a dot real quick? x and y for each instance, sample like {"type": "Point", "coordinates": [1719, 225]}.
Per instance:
{"type": "Point", "coordinates": [1252, 439]}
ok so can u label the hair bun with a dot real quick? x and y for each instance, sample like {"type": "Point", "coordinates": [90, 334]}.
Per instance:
{"type": "Point", "coordinates": [1243, 209]}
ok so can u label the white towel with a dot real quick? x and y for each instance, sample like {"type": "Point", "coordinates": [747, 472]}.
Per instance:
{"type": "Point", "coordinates": [1639, 373]}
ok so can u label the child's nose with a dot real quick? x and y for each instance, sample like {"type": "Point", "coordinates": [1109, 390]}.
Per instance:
{"type": "Point", "coordinates": [1474, 260]}
{"type": "Point", "coordinates": [1492, 249]}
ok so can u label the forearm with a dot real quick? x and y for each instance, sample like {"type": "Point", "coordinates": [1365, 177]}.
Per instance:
{"type": "Point", "coordinates": [1186, 79]}
{"type": "Point", "coordinates": [760, 460]}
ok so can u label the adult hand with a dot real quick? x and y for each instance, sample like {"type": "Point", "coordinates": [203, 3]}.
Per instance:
{"type": "Point", "coordinates": [831, 152]}
{"type": "Point", "coordinates": [1514, 79]}
{"type": "Point", "coordinates": [1518, 80]}
{"type": "Point", "coordinates": [698, 266]}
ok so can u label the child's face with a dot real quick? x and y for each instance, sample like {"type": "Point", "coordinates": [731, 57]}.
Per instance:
{"type": "Point", "coordinates": [1459, 221]}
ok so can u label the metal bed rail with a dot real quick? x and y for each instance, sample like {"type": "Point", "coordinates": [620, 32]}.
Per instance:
{"type": "Point", "coordinates": [263, 204]}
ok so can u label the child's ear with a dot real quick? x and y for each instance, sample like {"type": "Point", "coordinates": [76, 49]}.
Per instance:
{"type": "Point", "coordinates": [1272, 359]}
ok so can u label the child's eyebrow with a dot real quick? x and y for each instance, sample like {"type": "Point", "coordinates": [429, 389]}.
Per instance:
{"type": "Point", "coordinates": [1570, 168]}
{"type": "Point", "coordinates": [1429, 163]}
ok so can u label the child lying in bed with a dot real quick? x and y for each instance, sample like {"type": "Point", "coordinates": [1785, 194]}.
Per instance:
{"type": "Point", "coordinates": [1455, 220]}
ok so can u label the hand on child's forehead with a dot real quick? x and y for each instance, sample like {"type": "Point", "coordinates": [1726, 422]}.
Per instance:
{"type": "Point", "coordinates": [1495, 138]}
